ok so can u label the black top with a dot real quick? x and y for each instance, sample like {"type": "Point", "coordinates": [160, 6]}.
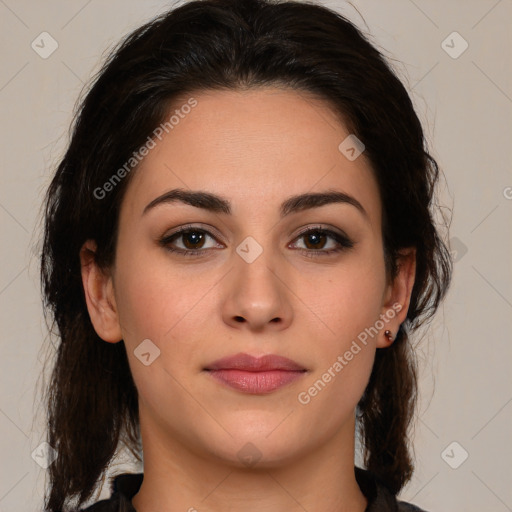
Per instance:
{"type": "Point", "coordinates": [126, 486]}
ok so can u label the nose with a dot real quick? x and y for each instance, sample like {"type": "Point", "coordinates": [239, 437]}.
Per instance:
{"type": "Point", "coordinates": [257, 295]}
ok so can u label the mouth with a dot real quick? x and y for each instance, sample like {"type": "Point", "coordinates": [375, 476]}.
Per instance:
{"type": "Point", "coordinates": [249, 374]}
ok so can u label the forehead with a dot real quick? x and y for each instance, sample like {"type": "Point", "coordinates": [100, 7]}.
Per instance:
{"type": "Point", "coordinates": [252, 146]}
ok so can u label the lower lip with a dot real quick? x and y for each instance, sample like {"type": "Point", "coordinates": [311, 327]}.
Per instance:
{"type": "Point", "coordinates": [256, 382]}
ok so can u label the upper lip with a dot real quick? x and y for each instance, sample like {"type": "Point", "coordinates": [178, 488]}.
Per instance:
{"type": "Point", "coordinates": [255, 364]}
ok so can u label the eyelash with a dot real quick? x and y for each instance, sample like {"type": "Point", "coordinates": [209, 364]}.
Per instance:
{"type": "Point", "coordinates": [343, 242]}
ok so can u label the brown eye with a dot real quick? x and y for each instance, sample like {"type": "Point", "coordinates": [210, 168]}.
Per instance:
{"type": "Point", "coordinates": [322, 242]}
{"type": "Point", "coordinates": [193, 239]}
{"type": "Point", "coordinates": [315, 240]}
{"type": "Point", "coordinates": [190, 242]}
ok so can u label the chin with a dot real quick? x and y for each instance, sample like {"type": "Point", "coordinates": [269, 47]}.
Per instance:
{"type": "Point", "coordinates": [266, 448]}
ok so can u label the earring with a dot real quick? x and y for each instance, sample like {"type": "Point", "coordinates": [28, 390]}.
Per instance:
{"type": "Point", "coordinates": [388, 335]}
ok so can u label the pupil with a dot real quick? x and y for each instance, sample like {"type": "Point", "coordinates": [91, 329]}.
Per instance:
{"type": "Point", "coordinates": [193, 238]}
{"type": "Point", "coordinates": [315, 239]}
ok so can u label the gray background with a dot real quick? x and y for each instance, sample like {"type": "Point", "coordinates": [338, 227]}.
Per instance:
{"type": "Point", "coordinates": [465, 104]}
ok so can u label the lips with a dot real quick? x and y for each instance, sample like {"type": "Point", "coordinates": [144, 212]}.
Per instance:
{"type": "Point", "coordinates": [247, 362]}
{"type": "Point", "coordinates": [249, 374]}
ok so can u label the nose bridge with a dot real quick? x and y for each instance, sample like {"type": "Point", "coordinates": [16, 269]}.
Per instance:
{"type": "Point", "coordinates": [256, 294]}
{"type": "Point", "coordinates": [255, 266]}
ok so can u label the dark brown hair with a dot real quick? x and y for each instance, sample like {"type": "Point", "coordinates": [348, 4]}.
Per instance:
{"type": "Point", "coordinates": [226, 44]}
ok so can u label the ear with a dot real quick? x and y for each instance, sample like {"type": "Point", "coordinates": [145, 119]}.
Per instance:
{"type": "Point", "coordinates": [397, 297]}
{"type": "Point", "coordinates": [99, 295]}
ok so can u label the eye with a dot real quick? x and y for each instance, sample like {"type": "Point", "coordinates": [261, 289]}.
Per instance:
{"type": "Point", "coordinates": [188, 241]}
{"type": "Point", "coordinates": [319, 241]}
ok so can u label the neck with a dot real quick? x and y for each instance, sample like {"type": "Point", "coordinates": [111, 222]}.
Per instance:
{"type": "Point", "coordinates": [178, 479]}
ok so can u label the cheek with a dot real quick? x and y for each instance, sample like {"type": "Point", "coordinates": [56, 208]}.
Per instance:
{"type": "Point", "coordinates": [152, 294]}
{"type": "Point", "coordinates": [344, 344]}
{"type": "Point", "coordinates": [157, 303]}
{"type": "Point", "coordinates": [346, 299]}
{"type": "Point", "coordinates": [346, 302]}
{"type": "Point", "coordinates": [174, 309]}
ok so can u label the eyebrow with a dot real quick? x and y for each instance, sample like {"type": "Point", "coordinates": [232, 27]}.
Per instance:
{"type": "Point", "coordinates": [218, 204]}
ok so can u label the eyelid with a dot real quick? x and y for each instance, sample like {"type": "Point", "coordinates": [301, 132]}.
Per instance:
{"type": "Point", "coordinates": [320, 227]}
{"type": "Point", "coordinates": [206, 228]}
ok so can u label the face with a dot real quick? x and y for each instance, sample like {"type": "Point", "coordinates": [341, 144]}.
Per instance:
{"type": "Point", "coordinates": [256, 271]}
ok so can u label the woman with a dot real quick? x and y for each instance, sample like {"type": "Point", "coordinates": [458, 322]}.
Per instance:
{"type": "Point", "coordinates": [238, 246]}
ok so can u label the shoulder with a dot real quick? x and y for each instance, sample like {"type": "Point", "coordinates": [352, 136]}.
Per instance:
{"type": "Point", "coordinates": [408, 507]}
{"type": "Point", "coordinates": [123, 488]}
{"type": "Point", "coordinates": [111, 504]}
{"type": "Point", "coordinates": [102, 506]}
{"type": "Point", "coordinates": [380, 499]}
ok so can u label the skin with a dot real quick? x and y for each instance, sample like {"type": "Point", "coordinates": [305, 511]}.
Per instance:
{"type": "Point", "coordinates": [255, 148]}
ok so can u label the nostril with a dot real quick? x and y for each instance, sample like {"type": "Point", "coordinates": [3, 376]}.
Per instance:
{"type": "Point", "coordinates": [239, 318]}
